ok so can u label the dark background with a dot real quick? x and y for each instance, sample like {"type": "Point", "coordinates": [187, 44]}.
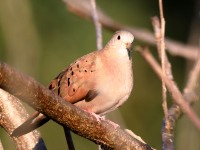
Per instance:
{"type": "Point", "coordinates": [41, 38]}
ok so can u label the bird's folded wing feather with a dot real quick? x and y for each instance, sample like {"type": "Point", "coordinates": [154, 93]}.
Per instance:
{"type": "Point", "coordinates": [77, 81]}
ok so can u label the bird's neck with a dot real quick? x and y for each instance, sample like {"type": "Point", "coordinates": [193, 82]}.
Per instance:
{"type": "Point", "coordinates": [117, 54]}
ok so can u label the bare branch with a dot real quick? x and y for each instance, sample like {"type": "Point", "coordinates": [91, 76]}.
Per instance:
{"type": "Point", "coordinates": [192, 80]}
{"type": "Point", "coordinates": [97, 24]}
{"type": "Point", "coordinates": [166, 121]}
{"type": "Point", "coordinates": [173, 89]}
{"type": "Point", "coordinates": [82, 8]}
{"type": "Point", "coordinates": [175, 111]}
{"type": "Point", "coordinates": [12, 114]}
{"type": "Point", "coordinates": [189, 94]}
{"type": "Point", "coordinates": [157, 30]}
{"type": "Point", "coordinates": [163, 63]}
{"type": "Point", "coordinates": [64, 113]}
{"type": "Point", "coordinates": [166, 68]}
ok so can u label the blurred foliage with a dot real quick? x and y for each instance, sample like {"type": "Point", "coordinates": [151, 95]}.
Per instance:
{"type": "Point", "coordinates": [56, 38]}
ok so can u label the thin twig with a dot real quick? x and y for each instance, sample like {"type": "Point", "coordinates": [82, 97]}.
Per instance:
{"type": "Point", "coordinates": [167, 130]}
{"type": "Point", "coordinates": [97, 24]}
{"type": "Point", "coordinates": [163, 63]}
{"type": "Point", "coordinates": [172, 87]}
{"type": "Point", "coordinates": [192, 79]}
{"type": "Point", "coordinates": [157, 31]}
{"type": "Point", "coordinates": [65, 113]}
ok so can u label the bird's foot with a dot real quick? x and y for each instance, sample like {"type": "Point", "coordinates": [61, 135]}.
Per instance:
{"type": "Point", "coordinates": [115, 125]}
{"type": "Point", "coordinates": [98, 118]}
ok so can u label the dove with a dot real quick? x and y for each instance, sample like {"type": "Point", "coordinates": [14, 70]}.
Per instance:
{"type": "Point", "coordinates": [98, 82]}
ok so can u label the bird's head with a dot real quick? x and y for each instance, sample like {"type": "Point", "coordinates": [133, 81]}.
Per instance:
{"type": "Point", "coordinates": [121, 42]}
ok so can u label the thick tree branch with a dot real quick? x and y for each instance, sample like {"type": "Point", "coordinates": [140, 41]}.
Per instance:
{"type": "Point", "coordinates": [12, 114]}
{"type": "Point", "coordinates": [82, 8]}
{"type": "Point", "coordinates": [64, 113]}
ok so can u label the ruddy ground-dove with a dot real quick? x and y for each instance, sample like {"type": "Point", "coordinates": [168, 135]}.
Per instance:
{"type": "Point", "coordinates": [98, 82]}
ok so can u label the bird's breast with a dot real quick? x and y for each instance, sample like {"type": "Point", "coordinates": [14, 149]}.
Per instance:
{"type": "Point", "coordinates": [116, 79]}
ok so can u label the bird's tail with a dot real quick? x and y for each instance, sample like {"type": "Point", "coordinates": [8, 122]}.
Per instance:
{"type": "Point", "coordinates": [33, 122]}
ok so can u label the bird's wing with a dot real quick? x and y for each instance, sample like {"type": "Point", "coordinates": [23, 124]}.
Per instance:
{"type": "Point", "coordinates": [77, 81]}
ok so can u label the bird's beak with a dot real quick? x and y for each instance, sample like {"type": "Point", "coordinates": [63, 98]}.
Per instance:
{"type": "Point", "coordinates": [129, 46]}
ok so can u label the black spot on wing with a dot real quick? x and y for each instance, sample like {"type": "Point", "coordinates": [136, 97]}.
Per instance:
{"type": "Point", "coordinates": [50, 87]}
{"type": "Point", "coordinates": [59, 91]}
{"type": "Point", "coordinates": [68, 81]}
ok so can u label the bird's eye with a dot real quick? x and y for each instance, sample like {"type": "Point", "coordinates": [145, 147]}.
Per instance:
{"type": "Point", "coordinates": [118, 37]}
